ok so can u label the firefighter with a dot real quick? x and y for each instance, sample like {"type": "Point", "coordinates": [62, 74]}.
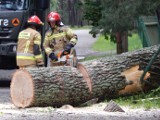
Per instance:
{"type": "Point", "coordinates": [58, 38]}
{"type": "Point", "coordinates": [29, 41]}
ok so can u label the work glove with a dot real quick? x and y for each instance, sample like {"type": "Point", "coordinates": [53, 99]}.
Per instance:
{"type": "Point", "coordinates": [67, 49]}
{"type": "Point", "coordinates": [53, 57]}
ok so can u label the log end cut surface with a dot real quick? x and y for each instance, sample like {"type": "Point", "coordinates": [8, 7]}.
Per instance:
{"type": "Point", "coordinates": [22, 89]}
{"type": "Point", "coordinates": [85, 76]}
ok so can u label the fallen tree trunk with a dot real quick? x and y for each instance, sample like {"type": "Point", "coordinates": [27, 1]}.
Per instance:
{"type": "Point", "coordinates": [56, 86]}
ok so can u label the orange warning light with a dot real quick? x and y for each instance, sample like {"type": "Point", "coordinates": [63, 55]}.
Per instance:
{"type": "Point", "coordinates": [15, 22]}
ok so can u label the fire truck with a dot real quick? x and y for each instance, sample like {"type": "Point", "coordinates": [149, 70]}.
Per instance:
{"type": "Point", "coordinates": [13, 17]}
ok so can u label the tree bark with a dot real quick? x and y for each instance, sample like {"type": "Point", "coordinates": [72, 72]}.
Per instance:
{"type": "Point", "coordinates": [122, 42]}
{"type": "Point", "coordinates": [55, 86]}
{"type": "Point", "coordinates": [113, 107]}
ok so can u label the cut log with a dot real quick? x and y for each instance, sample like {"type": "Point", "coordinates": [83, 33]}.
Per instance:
{"type": "Point", "coordinates": [56, 86]}
{"type": "Point", "coordinates": [133, 75]}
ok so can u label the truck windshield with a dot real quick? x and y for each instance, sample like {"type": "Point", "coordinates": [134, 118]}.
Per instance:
{"type": "Point", "coordinates": [13, 4]}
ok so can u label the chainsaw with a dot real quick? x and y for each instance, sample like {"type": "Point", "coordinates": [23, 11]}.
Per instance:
{"type": "Point", "coordinates": [66, 59]}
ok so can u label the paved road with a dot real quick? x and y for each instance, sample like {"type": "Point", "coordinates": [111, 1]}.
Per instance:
{"type": "Point", "coordinates": [84, 45]}
{"type": "Point", "coordinates": [85, 42]}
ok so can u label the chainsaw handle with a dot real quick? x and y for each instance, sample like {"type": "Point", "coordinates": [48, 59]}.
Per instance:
{"type": "Point", "coordinates": [62, 54]}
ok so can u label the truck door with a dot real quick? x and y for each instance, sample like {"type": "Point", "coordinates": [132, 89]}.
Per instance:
{"type": "Point", "coordinates": [13, 14]}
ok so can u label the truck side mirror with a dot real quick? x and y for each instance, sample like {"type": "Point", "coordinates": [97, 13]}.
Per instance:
{"type": "Point", "coordinates": [42, 4]}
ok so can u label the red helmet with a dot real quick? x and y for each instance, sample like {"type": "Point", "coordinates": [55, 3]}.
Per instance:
{"type": "Point", "coordinates": [54, 17]}
{"type": "Point", "coordinates": [35, 20]}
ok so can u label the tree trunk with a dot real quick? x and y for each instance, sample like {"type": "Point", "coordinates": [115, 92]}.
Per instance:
{"type": "Point", "coordinates": [55, 86]}
{"type": "Point", "coordinates": [125, 41]}
{"type": "Point", "coordinates": [122, 42]}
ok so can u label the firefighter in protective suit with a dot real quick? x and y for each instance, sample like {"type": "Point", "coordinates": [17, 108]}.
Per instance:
{"type": "Point", "coordinates": [58, 38]}
{"type": "Point", "coordinates": [29, 41]}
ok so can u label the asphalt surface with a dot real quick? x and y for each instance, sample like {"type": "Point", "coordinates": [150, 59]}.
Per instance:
{"type": "Point", "coordinates": [9, 112]}
{"type": "Point", "coordinates": [84, 45]}
{"type": "Point", "coordinates": [85, 42]}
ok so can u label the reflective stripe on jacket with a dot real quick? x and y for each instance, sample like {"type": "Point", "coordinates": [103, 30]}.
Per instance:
{"type": "Point", "coordinates": [25, 50]}
{"type": "Point", "coordinates": [27, 56]}
{"type": "Point", "coordinates": [58, 39]}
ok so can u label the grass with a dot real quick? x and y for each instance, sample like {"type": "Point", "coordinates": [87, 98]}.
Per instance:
{"type": "Point", "coordinates": [134, 42]}
{"type": "Point", "coordinates": [143, 100]}
{"type": "Point", "coordinates": [103, 45]}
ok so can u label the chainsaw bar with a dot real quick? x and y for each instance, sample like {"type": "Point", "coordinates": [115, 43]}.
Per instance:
{"type": "Point", "coordinates": [72, 60]}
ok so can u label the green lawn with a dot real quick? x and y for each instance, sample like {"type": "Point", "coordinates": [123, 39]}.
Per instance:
{"type": "Point", "coordinates": [147, 100]}
{"type": "Point", "coordinates": [103, 45]}
{"type": "Point", "coordinates": [134, 42]}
